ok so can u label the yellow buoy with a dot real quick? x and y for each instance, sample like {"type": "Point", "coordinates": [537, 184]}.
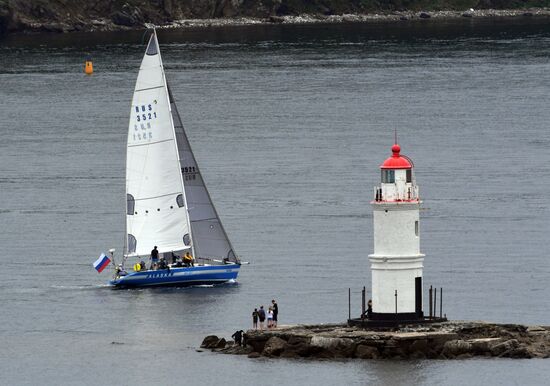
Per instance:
{"type": "Point", "coordinates": [89, 69]}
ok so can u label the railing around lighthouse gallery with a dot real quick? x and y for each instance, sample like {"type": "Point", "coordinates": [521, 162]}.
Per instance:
{"type": "Point", "coordinates": [432, 303]}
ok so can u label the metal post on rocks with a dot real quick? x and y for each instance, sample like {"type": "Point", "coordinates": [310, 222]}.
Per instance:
{"type": "Point", "coordinates": [431, 304]}
{"type": "Point", "coordinates": [349, 303]}
{"type": "Point", "coordinates": [440, 303]}
{"type": "Point", "coordinates": [435, 302]}
{"type": "Point", "coordinates": [363, 303]}
{"type": "Point", "coordinates": [396, 303]}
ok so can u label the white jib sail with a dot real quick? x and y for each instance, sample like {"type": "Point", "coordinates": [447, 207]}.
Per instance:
{"type": "Point", "coordinates": [156, 213]}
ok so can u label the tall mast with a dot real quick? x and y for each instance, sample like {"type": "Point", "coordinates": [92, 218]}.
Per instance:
{"type": "Point", "coordinates": [182, 183]}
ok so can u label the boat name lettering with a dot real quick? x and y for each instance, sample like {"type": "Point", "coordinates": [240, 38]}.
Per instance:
{"type": "Point", "coordinates": [159, 274]}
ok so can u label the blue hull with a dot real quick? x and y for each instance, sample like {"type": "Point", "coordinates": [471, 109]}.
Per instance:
{"type": "Point", "coordinates": [181, 276]}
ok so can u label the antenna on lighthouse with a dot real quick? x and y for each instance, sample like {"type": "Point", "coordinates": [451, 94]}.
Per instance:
{"type": "Point", "coordinates": [395, 135]}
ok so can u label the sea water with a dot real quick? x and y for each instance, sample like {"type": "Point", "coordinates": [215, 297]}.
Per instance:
{"type": "Point", "coordinates": [289, 125]}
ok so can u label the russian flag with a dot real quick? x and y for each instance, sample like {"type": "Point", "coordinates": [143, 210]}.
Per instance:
{"type": "Point", "coordinates": [101, 263]}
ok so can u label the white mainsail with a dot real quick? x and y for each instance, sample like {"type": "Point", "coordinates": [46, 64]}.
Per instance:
{"type": "Point", "coordinates": [156, 212]}
{"type": "Point", "coordinates": [168, 203]}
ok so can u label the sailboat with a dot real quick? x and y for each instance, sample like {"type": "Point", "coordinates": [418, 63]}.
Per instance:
{"type": "Point", "coordinates": [169, 208]}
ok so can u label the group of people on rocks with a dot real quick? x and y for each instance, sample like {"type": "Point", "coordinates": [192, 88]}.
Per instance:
{"type": "Point", "coordinates": [272, 315]}
{"type": "Point", "coordinates": [156, 263]}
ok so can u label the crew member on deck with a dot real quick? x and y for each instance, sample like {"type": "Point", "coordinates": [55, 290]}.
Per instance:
{"type": "Point", "coordinates": [162, 264]}
{"type": "Point", "coordinates": [119, 271]}
{"type": "Point", "coordinates": [188, 260]}
{"type": "Point", "coordinates": [154, 257]}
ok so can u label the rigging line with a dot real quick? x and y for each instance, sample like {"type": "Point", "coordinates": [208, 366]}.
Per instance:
{"type": "Point", "coordinates": [150, 198]}
{"type": "Point", "coordinates": [148, 88]}
{"type": "Point", "coordinates": [151, 143]}
{"type": "Point", "coordinates": [143, 36]}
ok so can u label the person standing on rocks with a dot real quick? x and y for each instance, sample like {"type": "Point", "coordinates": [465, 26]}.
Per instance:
{"type": "Point", "coordinates": [261, 316]}
{"type": "Point", "coordinates": [369, 309]}
{"type": "Point", "coordinates": [255, 319]}
{"type": "Point", "coordinates": [275, 308]}
{"type": "Point", "coordinates": [238, 336]}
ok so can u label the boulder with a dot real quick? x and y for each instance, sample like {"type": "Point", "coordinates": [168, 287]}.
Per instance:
{"type": "Point", "coordinates": [128, 16]}
{"type": "Point", "coordinates": [237, 350]}
{"type": "Point", "coordinates": [454, 348]}
{"type": "Point", "coordinates": [482, 346]}
{"type": "Point", "coordinates": [520, 352]}
{"type": "Point", "coordinates": [536, 330]}
{"type": "Point", "coordinates": [306, 350]}
{"type": "Point", "coordinates": [274, 347]}
{"type": "Point", "coordinates": [419, 345]}
{"type": "Point", "coordinates": [221, 343]}
{"type": "Point", "coordinates": [500, 348]}
{"type": "Point", "coordinates": [210, 341]}
{"type": "Point", "coordinates": [334, 347]}
{"type": "Point", "coordinates": [254, 354]}
{"type": "Point", "coordinates": [424, 15]}
{"type": "Point", "coordinates": [366, 352]}
{"type": "Point", "coordinates": [436, 341]}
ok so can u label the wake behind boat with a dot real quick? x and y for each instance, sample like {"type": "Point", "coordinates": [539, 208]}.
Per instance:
{"type": "Point", "coordinates": [168, 204]}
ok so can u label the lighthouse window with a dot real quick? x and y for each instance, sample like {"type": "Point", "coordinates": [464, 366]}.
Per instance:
{"type": "Point", "coordinates": [388, 176]}
{"type": "Point", "coordinates": [416, 228]}
{"type": "Point", "coordinates": [409, 175]}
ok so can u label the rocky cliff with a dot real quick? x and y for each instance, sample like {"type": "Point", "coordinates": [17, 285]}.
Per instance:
{"type": "Point", "coordinates": [79, 15]}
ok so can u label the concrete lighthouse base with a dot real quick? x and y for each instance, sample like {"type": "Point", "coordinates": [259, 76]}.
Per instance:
{"type": "Point", "coordinates": [378, 320]}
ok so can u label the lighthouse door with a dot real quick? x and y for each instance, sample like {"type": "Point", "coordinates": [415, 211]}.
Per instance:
{"type": "Point", "coordinates": [418, 296]}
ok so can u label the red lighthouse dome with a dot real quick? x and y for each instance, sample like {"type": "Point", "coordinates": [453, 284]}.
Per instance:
{"type": "Point", "coordinates": [397, 161]}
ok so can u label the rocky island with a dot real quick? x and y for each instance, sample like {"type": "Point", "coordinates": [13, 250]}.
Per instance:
{"type": "Point", "coordinates": [446, 340]}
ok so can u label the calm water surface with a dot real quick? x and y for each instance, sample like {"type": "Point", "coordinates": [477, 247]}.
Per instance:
{"type": "Point", "coordinates": [289, 125]}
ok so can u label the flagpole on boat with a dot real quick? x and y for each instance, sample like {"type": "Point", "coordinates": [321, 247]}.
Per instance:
{"type": "Point", "coordinates": [112, 253]}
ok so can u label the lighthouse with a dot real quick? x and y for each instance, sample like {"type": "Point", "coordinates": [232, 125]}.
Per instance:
{"type": "Point", "coordinates": [396, 263]}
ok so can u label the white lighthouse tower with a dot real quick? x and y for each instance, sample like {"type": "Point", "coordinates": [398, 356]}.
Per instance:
{"type": "Point", "coordinates": [396, 263]}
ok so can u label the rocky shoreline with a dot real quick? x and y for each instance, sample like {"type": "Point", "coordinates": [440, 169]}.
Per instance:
{"type": "Point", "coordinates": [359, 18]}
{"type": "Point", "coordinates": [446, 340]}
{"type": "Point", "coordinates": [131, 18]}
